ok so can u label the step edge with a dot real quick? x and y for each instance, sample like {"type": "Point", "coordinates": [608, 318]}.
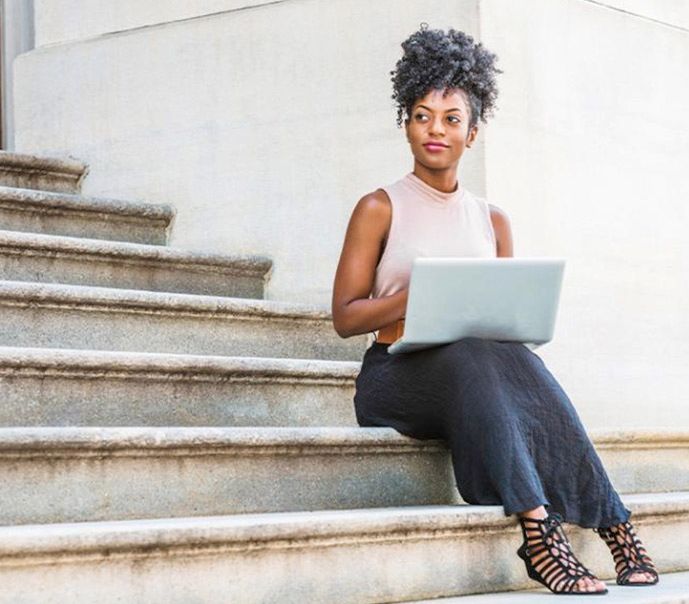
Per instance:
{"type": "Point", "coordinates": [27, 293]}
{"type": "Point", "coordinates": [20, 243]}
{"type": "Point", "coordinates": [198, 535]}
{"type": "Point", "coordinates": [24, 360]}
{"type": "Point", "coordinates": [76, 441]}
{"type": "Point", "coordinates": [38, 200]}
{"type": "Point", "coordinates": [63, 165]}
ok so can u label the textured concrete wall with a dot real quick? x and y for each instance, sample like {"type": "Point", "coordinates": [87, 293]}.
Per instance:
{"type": "Point", "coordinates": [589, 157]}
{"type": "Point", "coordinates": [669, 12]}
{"type": "Point", "coordinates": [55, 20]}
{"type": "Point", "coordinates": [264, 126]}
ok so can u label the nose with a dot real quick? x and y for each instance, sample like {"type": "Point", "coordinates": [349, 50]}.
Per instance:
{"type": "Point", "coordinates": [436, 125]}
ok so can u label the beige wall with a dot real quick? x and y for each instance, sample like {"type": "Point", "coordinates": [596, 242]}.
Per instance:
{"type": "Point", "coordinates": [589, 156]}
{"type": "Point", "coordinates": [264, 126]}
{"type": "Point", "coordinates": [670, 12]}
{"type": "Point", "coordinates": [56, 22]}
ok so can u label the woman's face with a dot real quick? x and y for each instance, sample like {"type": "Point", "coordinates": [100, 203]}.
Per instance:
{"type": "Point", "coordinates": [442, 120]}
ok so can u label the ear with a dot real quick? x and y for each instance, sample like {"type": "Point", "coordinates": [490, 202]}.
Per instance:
{"type": "Point", "coordinates": [473, 133]}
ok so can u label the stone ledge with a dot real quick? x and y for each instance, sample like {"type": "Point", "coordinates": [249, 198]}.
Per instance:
{"type": "Point", "coordinates": [33, 200]}
{"type": "Point", "coordinates": [44, 173]}
{"type": "Point", "coordinates": [309, 529]}
{"type": "Point", "coordinates": [45, 442]}
{"type": "Point", "coordinates": [62, 387]}
{"type": "Point", "coordinates": [97, 474]}
{"type": "Point", "coordinates": [13, 243]}
{"type": "Point", "coordinates": [54, 295]}
{"type": "Point", "coordinates": [34, 211]}
{"type": "Point", "coordinates": [642, 438]}
{"type": "Point", "coordinates": [248, 532]}
{"type": "Point", "coordinates": [105, 318]}
{"type": "Point", "coordinates": [360, 555]}
{"type": "Point", "coordinates": [98, 364]}
{"type": "Point", "coordinates": [197, 440]}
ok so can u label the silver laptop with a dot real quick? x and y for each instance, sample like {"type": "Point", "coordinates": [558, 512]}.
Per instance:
{"type": "Point", "coordinates": [504, 299]}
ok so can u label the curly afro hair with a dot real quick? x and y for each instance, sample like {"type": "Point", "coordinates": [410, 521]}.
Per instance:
{"type": "Point", "coordinates": [435, 60]}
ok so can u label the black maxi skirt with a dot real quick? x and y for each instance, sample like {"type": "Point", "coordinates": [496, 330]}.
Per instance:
{"type": "Point", "coordinates": [515, 438]}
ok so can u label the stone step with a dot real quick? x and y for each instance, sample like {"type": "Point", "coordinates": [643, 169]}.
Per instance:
{"type": "Point", "coordinates": [49, 473]}
{"type": "Point", "coordinates": [33, 211]}
{"type": "Point", "coordinates": [45, 173]}
{"type": "Point", "coordinates": [79, 261]}
{"type": "Point", "coordinates": [58, 387]}
{"type": "Point", "coordinates": [361, 556]}
{"type": "Point", "coordinates": [673, 588]}
{"type": "Point", "coordinates": [84, 474]}
{"type": "Point", "coordinates": [96, 318]}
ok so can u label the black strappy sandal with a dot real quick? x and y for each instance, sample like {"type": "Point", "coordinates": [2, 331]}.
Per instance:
{"type": "Point", "coordinates": [619, 538]}
{"type": "Point", "coordinates": [559, 571]}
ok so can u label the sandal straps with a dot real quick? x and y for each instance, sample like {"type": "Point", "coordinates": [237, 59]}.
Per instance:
{"type": "Point", "coordinates": [552, 524]}
{"type": "Point", "coordinates": [634, 559]}
{"type": "Point", "coordinates": [559, 568]}
{"type": "Point", "coordinates": [623, 576]}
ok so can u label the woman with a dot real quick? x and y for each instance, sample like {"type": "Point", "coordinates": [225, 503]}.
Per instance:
{"type": "Point", "coordinates": [515, 438]}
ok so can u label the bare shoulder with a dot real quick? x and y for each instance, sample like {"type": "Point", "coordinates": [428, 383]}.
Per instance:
{"type": "Point", "coordinates": [498, 215]}
{"type": "Point", "coordinates": [373, 216]}
{"type": "Point", "coordinates": [376, 202]}
{"type": "Point", "coordinates": [503, 230]}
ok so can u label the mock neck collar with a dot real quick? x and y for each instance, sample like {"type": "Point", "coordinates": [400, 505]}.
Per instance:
{"type": "Point", "coordinates": [431, 193]}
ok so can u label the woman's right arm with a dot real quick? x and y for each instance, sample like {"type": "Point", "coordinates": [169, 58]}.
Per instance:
{"type": "Point", "coordinates": [353, 311]}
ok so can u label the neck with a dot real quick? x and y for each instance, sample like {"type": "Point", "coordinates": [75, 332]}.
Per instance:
{"type": "Point", "coordinates": [444, 180]}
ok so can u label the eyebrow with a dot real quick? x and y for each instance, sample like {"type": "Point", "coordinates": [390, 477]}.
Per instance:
{"type": "Point", "coordinates": [431, 110]}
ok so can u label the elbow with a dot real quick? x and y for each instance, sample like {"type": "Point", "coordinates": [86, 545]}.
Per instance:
{"type": "Point", "coordinates": [340, 323]}
{"type": "Point", "coordinates": [340, 329]}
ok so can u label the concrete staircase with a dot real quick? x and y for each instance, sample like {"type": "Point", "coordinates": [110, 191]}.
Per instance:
{"type": "Point", "coordinates": [170, 436]}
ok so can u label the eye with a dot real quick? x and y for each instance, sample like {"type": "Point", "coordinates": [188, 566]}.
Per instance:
{"type": "Point", "coordinates": [453, 118]}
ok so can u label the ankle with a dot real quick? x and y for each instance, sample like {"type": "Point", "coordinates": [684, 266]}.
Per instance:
{"type": "Point", "coordinates": [538, 513]}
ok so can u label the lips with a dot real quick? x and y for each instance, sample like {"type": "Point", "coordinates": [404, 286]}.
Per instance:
{"type": "Point", "coordinates": [435, 145]}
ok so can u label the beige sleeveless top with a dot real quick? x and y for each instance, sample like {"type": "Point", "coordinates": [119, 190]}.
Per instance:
{"type": "Point", "coordinates": [429, 222]}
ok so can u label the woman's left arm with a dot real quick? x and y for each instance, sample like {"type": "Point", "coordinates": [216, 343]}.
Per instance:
{"type": "Point", "coordinates": [503, 232]}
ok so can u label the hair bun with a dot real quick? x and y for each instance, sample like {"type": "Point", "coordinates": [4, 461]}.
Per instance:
{"type": "Point", "coordinates": [437, 60]}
